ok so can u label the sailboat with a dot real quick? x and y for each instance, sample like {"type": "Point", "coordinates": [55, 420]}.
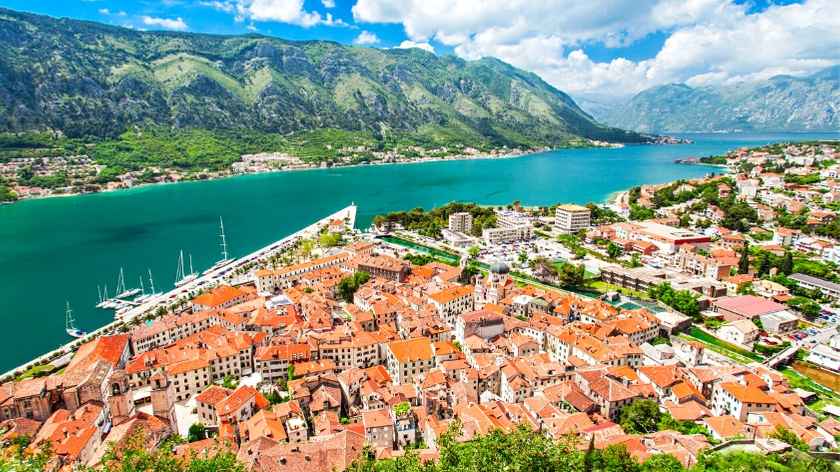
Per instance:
{"type": "Point", "coordinates": [122, 292]}
{"type": "Point", "coordinates": [225, 260]}
{"type": "Point", "coordinates": [70, 324]}
{"type": "Point", "coordinates": [145, 296]}
{"type": "Point", "coordinates": [182, 278]}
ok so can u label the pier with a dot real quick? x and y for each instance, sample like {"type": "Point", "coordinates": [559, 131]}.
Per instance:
{"type": "Point", "coordinates": [210, 278]}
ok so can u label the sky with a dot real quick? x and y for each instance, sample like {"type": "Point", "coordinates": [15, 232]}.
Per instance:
{"type": "Point", "coordinates": [599, 50]}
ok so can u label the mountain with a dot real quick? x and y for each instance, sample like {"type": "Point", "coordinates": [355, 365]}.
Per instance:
{"type": "Point", "coordinates": [93, 80]}
{"type": "Point", "coordinates": [781, 103]}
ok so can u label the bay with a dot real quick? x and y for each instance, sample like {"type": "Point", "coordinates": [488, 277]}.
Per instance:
{"type": "Point", "coordinates": [58, 250]}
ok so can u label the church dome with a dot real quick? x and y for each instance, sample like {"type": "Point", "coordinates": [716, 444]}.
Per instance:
{"type": "Point", "coordinates": [499, 268]}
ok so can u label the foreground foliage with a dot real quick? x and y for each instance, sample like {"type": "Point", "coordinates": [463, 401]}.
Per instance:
{"type": "Point", "coordinates": [525, 450]}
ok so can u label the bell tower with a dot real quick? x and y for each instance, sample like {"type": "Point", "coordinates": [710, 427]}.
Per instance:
{"type": "Point", "coordinates": [119, 401]}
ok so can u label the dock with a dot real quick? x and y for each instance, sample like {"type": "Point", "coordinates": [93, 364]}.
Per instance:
{"type": "Point", "coordinates": [131, 310]}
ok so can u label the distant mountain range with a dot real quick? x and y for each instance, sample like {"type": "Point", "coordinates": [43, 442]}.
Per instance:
{"type": "Point", "coordinates": [781, 103]}
{"type": "Point", "coordinates": [93, 80]}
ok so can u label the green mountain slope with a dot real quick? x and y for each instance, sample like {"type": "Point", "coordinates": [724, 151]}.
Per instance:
{"type": "Point", "coordinates": [782, 103]}
{"type": "Point", "coordinates": [91, 80]}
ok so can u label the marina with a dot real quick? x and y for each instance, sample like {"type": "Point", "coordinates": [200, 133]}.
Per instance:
{"type": "Point", "coordinates": [212, 277]}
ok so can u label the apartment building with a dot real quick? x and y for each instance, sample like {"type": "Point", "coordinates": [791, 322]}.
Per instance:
{"type": "Point", "coordinates": [572, 218]}
{"type": "Point", "coordinates": [460, 222]}
{"type": "Point", "coordinates": [406, 358]}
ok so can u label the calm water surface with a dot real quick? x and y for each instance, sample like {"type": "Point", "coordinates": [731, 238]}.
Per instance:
{"type": "Point", "coordinates": [59, 249]}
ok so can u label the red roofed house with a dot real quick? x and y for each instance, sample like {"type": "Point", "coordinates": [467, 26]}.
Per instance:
{"type": "Point", "coordinates": [379, 428]}
{"type": "Point", "coordinates": [409, 357]}
{"type": "Point", "coordinates": [221, 297]}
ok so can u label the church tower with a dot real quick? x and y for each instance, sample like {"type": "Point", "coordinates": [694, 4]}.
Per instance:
{"type": "Point", "coordinates": [163, 404]}
{"type": "Point", "coordinates": [119, 401]}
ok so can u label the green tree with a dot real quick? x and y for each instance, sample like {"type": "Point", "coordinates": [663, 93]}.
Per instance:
{"type": "Point", "coordinates": [615, 458]}
{"type": "Point", "coordinates": [640, 417]}
{"type": "Point", "coordinates": [474, 251]}
{"type": "Point", "coordinates": [328, 239]}
{"type": "Point", "coordinates": [662, 463]}
{"type": "Point", "coordinates": [764, 264]}
{"type": "Point", "coordinates": [806, 306]}
{"type": "Point", "coordinates": [787, 263]}
{"type": "Point", "coordinates": [571, 275]}
{"type": "Point", "coordinates": [348, 285]}
{"type": "Point", "coordinates": [744, 261]}
{"type": "Point", "coordinates": [613, 250]}
{"type": "Point", "coordinates": [230, 382]}
{"type": "Point", "coordinates": [197, 432]}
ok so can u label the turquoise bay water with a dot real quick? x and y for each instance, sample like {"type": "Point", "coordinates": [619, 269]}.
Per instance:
{"type": "Point", "coordinates": [59, 249]}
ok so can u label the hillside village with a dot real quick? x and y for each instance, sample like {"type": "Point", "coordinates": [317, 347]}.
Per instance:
{"type": "Point", "coordinates": [684, 301]}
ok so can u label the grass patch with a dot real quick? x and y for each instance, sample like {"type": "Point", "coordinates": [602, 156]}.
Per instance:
{"type": "Point", "coordinates": [604, 287]}
{"type": "Point", "coordinates": [709, 339]}
{"type": "Point", "coordinates": [36, 371]}
{"type": "Point", "coordinates": [442, 256]}
{"type": "Point", "coordinates": [718, 349]}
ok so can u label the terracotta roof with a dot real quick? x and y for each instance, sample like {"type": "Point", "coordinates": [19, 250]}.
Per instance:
{"type": "Point", "coordinates": [412, 349]}
{"type": "Point", "coordinates": [213, 395]}
{"type": "Point", "coordinates": [376, 419]}
{"type": "Point", "coordinates": [450, 294]}
{"type": "Point", "coordinates": [218, 296]}
{"type": "Point", "coordinates": [746, 394]}
{"type": "Point", "coordinates": [726, 426]}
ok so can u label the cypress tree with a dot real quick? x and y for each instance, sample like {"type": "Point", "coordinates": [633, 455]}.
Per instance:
{"type": "Point", "coordinates": [744, 262]}
{"type": "Point", "coordinates": [787, 263]}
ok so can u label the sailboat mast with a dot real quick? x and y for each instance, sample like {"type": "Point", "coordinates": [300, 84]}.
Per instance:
{"type": "Point", "coordinates": [151, 281]}
{"type": "Point", "coordinates": [99, 292]}
{"type": "Point", "coordinates": [142, 289]}
{"type": "Point", "coordinates": [121, 282]}
{"type": "Point", "coordinates": [191, 267]}
{"type": "Point", "coordinates": [180, 273]}
{"type": "Point", "coordinates": [68, 318]}
{"type": "Point", "coordinates": [224, 240]}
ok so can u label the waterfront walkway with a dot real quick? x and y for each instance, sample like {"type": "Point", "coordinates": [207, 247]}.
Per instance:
{"type": "Point", "coordinates": [185, 292]}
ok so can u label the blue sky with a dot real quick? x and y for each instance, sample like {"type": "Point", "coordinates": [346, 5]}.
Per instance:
{"type": "Point", "coordinates": [596, 49]}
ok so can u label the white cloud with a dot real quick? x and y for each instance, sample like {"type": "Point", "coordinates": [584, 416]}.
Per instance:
{"type": "Point", "coordinates": [104, 11]}
{"type": "Point", "coordinates": [709, 41]}
{"type": "Point", "coordinates": [165, 23]}
{"type": "Point", "coordinates": [366, 38]}
{"type": "Point", "coordinates": [284, 11]}
{"type": "Point", "coordinates": [328, 3]}
{"type": "Point", "coordinates": [225, 6]}
{"type": "Point", "coordinates": [408, 44]}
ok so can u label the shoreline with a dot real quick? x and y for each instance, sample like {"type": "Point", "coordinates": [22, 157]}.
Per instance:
{"type": "Point", "coordinates": [421, 160]}
{"type": "Point", "coordinates": [229, 175]}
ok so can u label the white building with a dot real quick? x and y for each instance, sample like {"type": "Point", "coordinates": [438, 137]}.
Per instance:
{"type": "Point", "coordinates": [460, 222]}
{"type": "Point", "coordinates": [508, 234]}
{"type": "Point", "coordinates": [571, 218]}
{"type": "Point", "coordinates": [827, 355]}
{"type": "Point", "coordinates": [742, 332]}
